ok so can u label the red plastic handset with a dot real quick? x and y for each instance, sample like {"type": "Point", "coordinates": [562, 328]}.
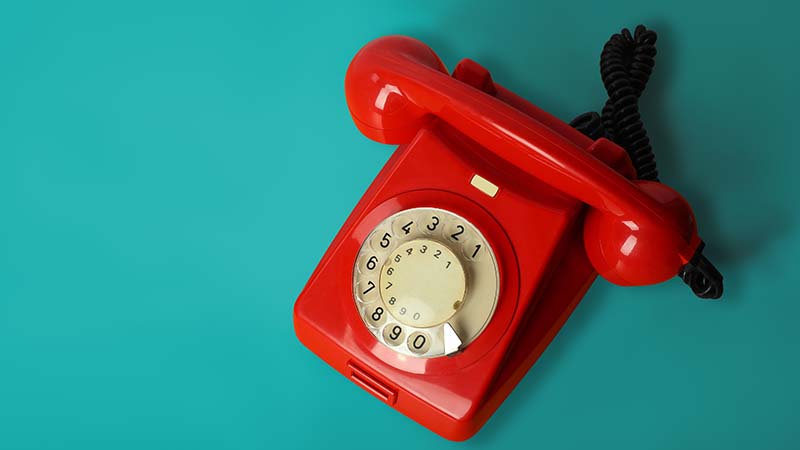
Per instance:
{"type": "Point", "coordinates": [635, 233]}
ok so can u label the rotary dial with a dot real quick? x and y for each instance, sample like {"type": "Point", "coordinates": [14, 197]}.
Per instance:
{"type": "Point", "coordinates": [426, 282]}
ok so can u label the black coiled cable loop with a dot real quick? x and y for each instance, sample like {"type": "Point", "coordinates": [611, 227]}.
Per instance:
{"type": "Point", "coordinates": [626, 63]}
{"type": "Point", "coordinates": [625, 67]}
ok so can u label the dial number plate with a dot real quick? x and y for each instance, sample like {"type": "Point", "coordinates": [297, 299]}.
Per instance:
{"type": "Point", "coordinates": [425, 282]}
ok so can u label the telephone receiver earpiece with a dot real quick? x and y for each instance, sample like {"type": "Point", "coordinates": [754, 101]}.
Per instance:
{"type": "Point", "coordinates": [635, 232]}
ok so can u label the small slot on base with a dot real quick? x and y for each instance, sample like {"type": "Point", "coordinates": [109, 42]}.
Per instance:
{"type": "Point", "coordinates": [371, 385]}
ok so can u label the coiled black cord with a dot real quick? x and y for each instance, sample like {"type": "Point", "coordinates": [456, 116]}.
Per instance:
{"type": "Point", "coordinates": [626, 63]}
{"type": "Point", "coordinates": [625, 67]}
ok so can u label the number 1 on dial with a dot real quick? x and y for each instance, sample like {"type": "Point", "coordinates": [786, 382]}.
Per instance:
{"type": "Point", "coordinates": [477, 248]}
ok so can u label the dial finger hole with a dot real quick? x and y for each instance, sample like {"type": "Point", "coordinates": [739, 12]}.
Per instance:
{"type": "Point", "coordinates": [394, 334]}
{"type": "Point", "coordinates": [474, 249]}
{"type": "Point", "coordinates": [406, 226]}
{"type": "Point", "coordinates": [419, 343]}
{"type": "Point", "coordinates": [375, 315]}
{"type": "Point", "coordinates": [431, 223]}
{"type": "Point", "coordinates": [367, 290]}
{"type": "Point", "coordinates": [369, 264]}
{"type": "Point", "coordinates": [457, 232]}
{"type": "Point", "coordinates": [381, 240]}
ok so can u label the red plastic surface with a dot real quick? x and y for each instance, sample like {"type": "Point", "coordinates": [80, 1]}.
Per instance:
{"type": "Point", "coordinates": [451, 129]}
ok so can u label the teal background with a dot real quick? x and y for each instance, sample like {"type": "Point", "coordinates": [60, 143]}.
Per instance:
{"type": "Point", "coordinates": [171, 173]}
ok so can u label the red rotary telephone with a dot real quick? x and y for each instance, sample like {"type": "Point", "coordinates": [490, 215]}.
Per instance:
{"type": "Point", "coordinates": [484, 230]}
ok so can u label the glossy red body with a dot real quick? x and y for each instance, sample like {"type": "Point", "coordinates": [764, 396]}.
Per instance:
{"type": "Point", "coordinates": [451, 128]}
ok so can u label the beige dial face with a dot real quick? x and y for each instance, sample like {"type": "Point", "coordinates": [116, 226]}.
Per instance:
{"type": "Point", "coordinates": [426, 282]}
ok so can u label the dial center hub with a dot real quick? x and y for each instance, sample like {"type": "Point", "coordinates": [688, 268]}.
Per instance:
{"type": "Point", "coordinates": [423, 283]}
